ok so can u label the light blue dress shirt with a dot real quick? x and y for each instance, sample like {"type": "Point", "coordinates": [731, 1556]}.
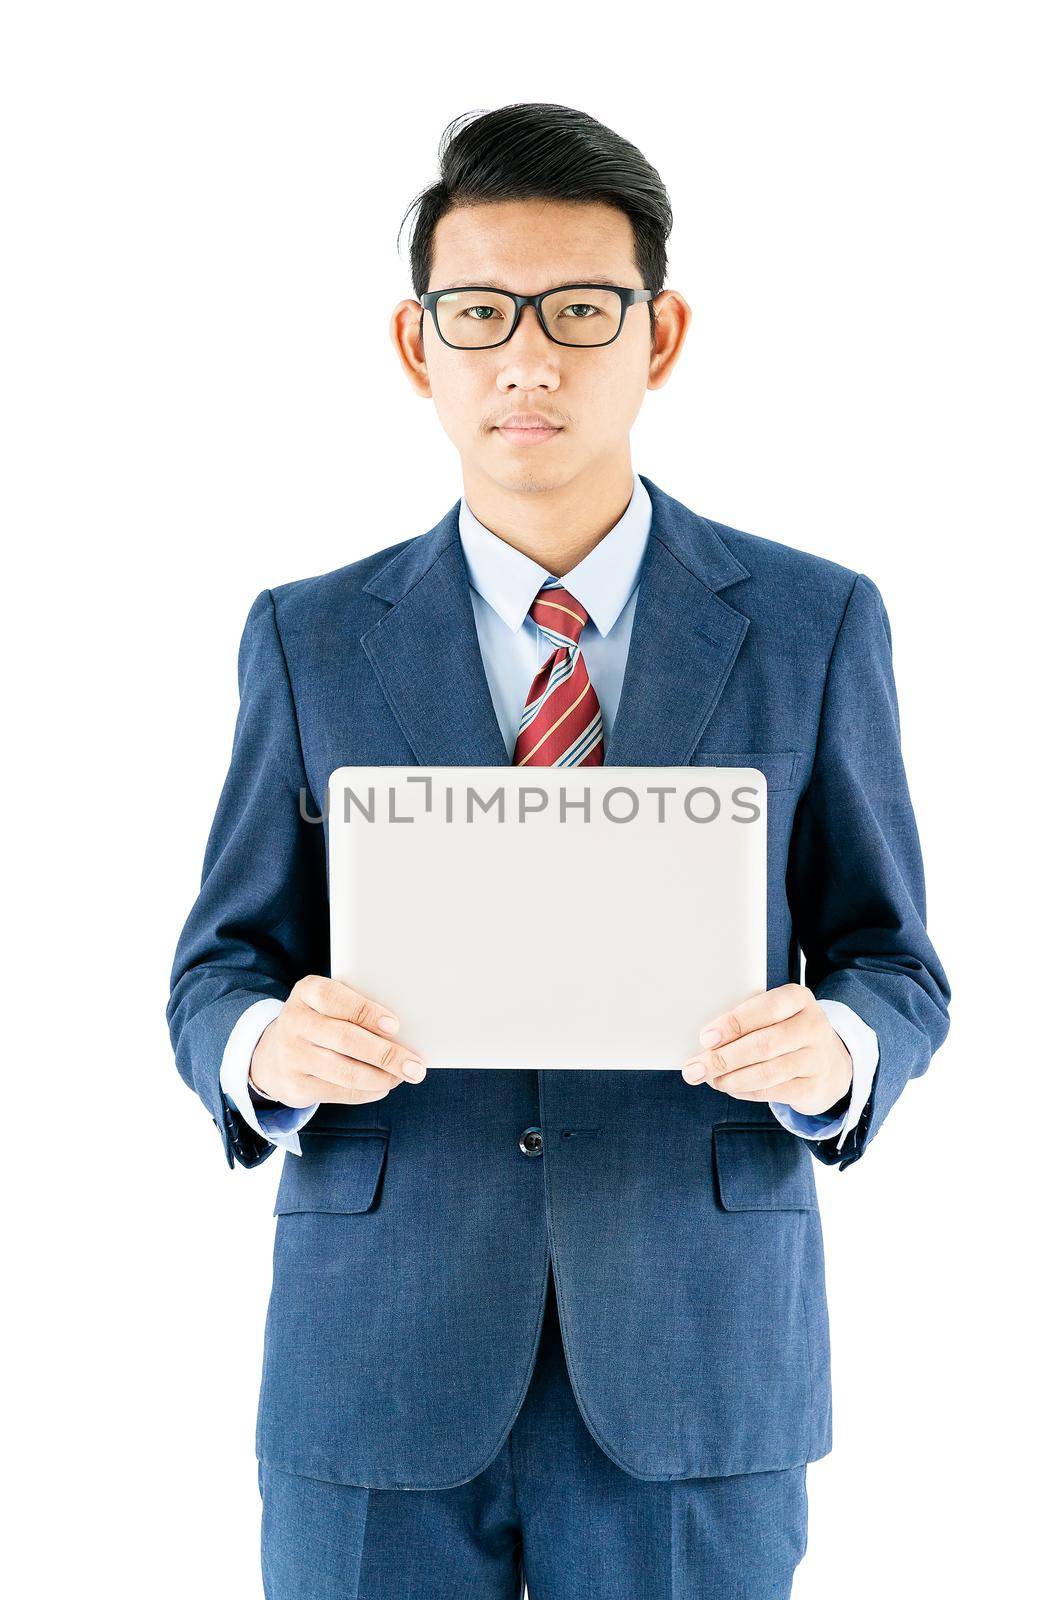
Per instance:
{"type": "Point", "coordinates": [503, 586]}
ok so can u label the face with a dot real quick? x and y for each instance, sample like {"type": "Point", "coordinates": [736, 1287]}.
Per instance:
{"type": "Point", "coordinates": [590, 396]}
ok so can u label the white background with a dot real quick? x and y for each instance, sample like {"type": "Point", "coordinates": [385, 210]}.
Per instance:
{"type": "Point", "coordinates": [200, 204]}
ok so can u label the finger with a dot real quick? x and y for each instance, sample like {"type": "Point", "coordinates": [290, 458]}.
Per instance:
{"type": "Point", "coordinates": [784, 1093]}
{"type": "Point", "coordinates": [344, 1073]}
{"type": "Point", "coordinates": [331, 998]}
{"type": "Point", "coordinates": [329, 1094]}
{"type": "Point", "coordinates": [762, 1044]}
{"type": "Point", "coordinates": [350, 1039]}
{"type": "Point", "coordinates": [771, 1005]}
{"type": "Point", "coordinates": [767, 1076]}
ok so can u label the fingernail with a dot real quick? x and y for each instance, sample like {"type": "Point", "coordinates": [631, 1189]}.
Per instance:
{"type": "Point", "coordinates": [710, 1036]}
{"type": "Point", "coordinates": [414, 1070]}
{"type": "Point", "coordinates": [693, 1074]}
{"type": "Point", "coordinates": [389, 1024]}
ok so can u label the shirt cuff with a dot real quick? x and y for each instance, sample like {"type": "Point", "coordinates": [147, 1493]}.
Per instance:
{"type": "Point", "coordinates": [277, 1123]}
{"type": "Point", "coordinates": [863, 1045]}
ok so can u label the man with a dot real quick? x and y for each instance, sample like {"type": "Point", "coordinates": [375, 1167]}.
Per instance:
{"type": "Point", "coordinates": [581, 1315]}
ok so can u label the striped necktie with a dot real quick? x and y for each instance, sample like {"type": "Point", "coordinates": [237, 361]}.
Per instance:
{"type": "Point", "coordinates": [561, 725]}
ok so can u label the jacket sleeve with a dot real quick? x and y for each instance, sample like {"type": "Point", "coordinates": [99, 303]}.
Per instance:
{"type": "Point", "coordinates": [855, 872]}
{"type": "Point", "coordinates": [260, 921]}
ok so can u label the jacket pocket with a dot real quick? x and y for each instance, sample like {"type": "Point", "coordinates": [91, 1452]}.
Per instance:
{"type": "Point", "coordinates": [777, 766]}
{"type": "Point", "coordinates": [339, 1170]}
{"type": "Point", "coordinates": [759, 1168]}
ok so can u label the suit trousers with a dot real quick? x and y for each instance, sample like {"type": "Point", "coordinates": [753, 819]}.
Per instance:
{"type": "Point", "coordinates": [550, 1514]}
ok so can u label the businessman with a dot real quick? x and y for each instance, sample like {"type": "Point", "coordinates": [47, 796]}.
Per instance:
{"type": "Point", "coordinates": [580, 1315]}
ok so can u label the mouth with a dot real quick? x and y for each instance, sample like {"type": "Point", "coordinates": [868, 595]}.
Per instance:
{"type": "Point", "coordinates": [527, 433]}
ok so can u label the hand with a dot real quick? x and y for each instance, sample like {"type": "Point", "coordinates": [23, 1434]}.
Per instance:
{"type": "Point", "coordinates": [331, 1043]}
{"type": "Point", "coordinates": [778, 1045]}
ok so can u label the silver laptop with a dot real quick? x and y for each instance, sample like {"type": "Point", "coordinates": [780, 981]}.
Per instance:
{"type": "Point", "coordinates": [552, 916]}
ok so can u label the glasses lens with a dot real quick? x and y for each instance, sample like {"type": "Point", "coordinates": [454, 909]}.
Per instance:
{"type": "Point", "coordinates": [582, 316]}
{"type": "Point", "coordinates": [474, 318]}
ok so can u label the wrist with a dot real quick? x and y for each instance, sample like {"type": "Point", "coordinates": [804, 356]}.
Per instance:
{"type": "Point", "coordinates": [841, 1106]}
{"type": "Point", "coordinates": [253, 1088]}
{"type": "Point", "coordinates": [257, 1093]}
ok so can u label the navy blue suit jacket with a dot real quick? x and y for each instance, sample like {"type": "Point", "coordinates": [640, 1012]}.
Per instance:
{"type": "Point", "coordinates": [412, 1234]}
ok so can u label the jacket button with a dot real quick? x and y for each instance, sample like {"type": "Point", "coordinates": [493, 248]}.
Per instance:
{"type": "Point", "coordinates": [532, 1142]}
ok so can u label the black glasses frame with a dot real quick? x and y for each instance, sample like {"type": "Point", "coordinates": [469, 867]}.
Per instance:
{"type": "Point", "coordinates": [628, 297]}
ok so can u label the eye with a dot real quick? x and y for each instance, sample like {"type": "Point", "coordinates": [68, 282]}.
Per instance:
{"type": "Point", "coordinates": [489, 312]}
{"type": "Point", "coordinates": [577, 306]}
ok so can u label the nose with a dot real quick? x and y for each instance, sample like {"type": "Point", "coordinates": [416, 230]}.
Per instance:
{"type": "Point", "coordinates": [529, 335]}
{"type": "Point", "coordinates": [530, 358]}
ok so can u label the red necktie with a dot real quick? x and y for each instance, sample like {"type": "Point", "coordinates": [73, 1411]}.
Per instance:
{"type": "Point", "coordinates": [561, 725]}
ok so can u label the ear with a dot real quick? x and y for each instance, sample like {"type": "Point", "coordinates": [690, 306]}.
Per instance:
{"type": "Point", "coordinates": [406, 332]}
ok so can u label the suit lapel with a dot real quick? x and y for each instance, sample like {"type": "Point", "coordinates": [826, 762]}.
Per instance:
{"type": "Point", "coordinates": [684, 641]}
{"type": "Point", "coordinates": [426, 655]}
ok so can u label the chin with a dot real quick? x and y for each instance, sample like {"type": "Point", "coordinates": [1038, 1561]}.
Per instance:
{"type": "Point", "coordinates": [531, 479]}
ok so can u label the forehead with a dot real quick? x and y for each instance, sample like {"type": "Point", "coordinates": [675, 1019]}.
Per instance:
{"type": "Point", "coordinates": [532, 245]}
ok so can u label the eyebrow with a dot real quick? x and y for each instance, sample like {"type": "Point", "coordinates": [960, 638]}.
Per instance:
{"type": "Point", "coordinates": [501, 288]}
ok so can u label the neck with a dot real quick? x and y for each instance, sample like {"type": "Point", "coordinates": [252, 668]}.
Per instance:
{"type": "Point", "coordinates": [555, 527]}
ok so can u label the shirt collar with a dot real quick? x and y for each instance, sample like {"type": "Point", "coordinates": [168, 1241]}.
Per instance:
{"type": "Point", "coordinates": [603, 581]}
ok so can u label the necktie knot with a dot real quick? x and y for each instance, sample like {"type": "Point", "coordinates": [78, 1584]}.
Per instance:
{"type": "Point", "coordinates": [559, 615]}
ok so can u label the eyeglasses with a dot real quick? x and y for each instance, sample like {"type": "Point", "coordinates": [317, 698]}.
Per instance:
{"type": "Point", "coordinates": [575, 314]}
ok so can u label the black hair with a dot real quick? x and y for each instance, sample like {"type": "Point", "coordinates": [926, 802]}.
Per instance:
{"type": "Point", "coordinates": [543, 152]}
